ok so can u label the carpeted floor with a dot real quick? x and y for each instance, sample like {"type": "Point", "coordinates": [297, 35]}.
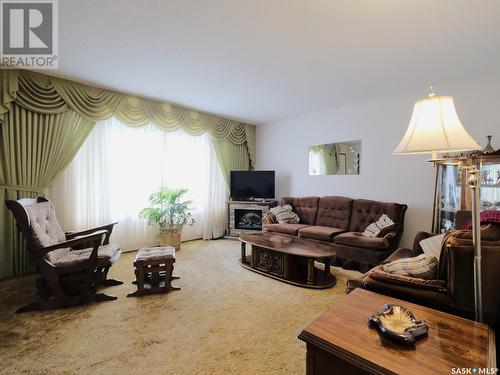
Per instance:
{"type": "Point", "coordinates": [225, 320]}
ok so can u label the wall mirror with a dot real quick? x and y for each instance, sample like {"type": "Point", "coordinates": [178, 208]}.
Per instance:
{"type": "Point", "coordinates": [335, 158]}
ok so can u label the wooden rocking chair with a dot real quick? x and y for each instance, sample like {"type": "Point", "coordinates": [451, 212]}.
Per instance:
{"type": "Point", "coordinates": [72, 264]}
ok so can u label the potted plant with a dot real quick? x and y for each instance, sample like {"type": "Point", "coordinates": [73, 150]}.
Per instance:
{"type": "Point", "coordinates": [171, 213]}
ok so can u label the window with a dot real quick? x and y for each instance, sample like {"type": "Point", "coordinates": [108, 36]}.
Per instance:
{"type": "Point", "coordinates": [118, 167]}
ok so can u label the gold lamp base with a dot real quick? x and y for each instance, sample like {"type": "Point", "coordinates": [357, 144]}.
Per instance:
{"type": "Point", "coordinates": [474, 183]}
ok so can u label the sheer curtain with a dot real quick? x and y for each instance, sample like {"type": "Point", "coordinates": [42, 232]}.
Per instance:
{"type": "Point", "coordinates": [117, 168]}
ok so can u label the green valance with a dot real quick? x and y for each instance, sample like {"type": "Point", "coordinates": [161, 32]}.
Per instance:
{"type": "Point", "coordinates": [8, 90]}
{"type": "Point", "coordinates": [50, 95]}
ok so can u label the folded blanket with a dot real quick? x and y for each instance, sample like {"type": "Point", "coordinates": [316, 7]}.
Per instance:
{"type": "Point", "coordinates": [488, 216]}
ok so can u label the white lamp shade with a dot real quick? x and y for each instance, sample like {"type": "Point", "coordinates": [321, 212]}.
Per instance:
{"type": "Point", "coordinates": [435, 126]}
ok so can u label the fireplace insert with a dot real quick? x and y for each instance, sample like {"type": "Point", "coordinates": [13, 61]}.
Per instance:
{"type": "Point", "coordinates": [248, 219]}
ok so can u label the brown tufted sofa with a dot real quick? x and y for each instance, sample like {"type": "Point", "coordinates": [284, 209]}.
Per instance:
{"type": "Point", "coordinates": [341, 220]}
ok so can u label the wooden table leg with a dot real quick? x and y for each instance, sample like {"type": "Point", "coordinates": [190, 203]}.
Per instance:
{"type": "Point", "coordinates": [326, 271]}
{"type": "Point", "coordinates": [286, 266]}
{"type": "Point", "coordinates": [253, 256]}
{"type": "Point", "coordinates": [243, 252]}
{"type": "Point", "coordinates": [310, 271]}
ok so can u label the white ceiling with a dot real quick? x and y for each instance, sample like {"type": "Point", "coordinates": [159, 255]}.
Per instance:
{"type": "Point", "coordinates": [263, 60]}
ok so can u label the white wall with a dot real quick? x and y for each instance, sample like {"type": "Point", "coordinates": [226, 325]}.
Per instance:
{"type": "Point", "coordinates": [380, 124]}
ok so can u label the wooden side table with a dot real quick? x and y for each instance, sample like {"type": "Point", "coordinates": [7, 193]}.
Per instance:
{"type": "Point", "coordinates": [340, 341]}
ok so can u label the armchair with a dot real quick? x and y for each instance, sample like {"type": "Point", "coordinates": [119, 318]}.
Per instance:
{"type": "Point", "coordinates": [72, 265]}
{"type": "Point", "coordinates": [452, 288]}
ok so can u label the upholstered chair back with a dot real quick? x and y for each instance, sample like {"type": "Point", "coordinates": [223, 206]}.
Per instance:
{"type": "Point", "coordinates": [456, 266]}
{"type": "Point", "coordinates": [462, 238]}
{"type": "Point", "coordinates": [44, 228]}
{"type": "Point", "coordinates": [334, 212]}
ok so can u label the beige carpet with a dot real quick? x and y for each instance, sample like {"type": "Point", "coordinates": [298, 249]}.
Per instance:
{"type": "Point", "coordinates": [225, 320]}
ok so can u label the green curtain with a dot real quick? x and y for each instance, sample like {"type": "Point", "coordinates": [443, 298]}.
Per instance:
{"type": "Point", "coordinates": [35, 149]}
{"type": "Point", "coordinates": [231, 157]}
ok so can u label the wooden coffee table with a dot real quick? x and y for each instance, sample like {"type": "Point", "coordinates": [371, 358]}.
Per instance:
{"type": "Point", "coordinates": [289, 259]}
{"type": "Point", "coordinates": [340, 341]}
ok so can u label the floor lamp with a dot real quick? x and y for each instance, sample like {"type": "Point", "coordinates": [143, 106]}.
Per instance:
{"type": "Point", "coordinates": [434, 128]}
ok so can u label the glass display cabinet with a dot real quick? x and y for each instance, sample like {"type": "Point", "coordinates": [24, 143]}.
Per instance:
{"type": "Point", "coordinates": [451, 193]}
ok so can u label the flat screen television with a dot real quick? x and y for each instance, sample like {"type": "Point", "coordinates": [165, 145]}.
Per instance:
{"type": "Point", "coordinates": [252, 184]}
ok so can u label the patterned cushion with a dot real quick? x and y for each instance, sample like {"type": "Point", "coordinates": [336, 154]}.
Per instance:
{"type": "Point", "coordinates": [155, 253]}
{"type": "Point", "coordinates": [404, 281]}
{"type": "Point", "coordinates": [269, 218]}
{"type": "Point", "coordinates": [285, 215]}
{"type": "Point", "coordinates": [305, 207]}
{"type": "Point", "coordinates": [70, 258]}
{"type": "Point", "coordinates": [45, 228]}
{"type": "Point", "coordinates": [44, 225]}
{"type": "Point", "coordinates": [423, 266]}
{"type": "Point", "coordinates": [374, 229]}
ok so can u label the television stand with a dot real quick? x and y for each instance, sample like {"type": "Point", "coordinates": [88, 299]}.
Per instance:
{"type": "Point", "coordinates": [250, 200]}
{"type": "Point", "coordinates": [245, 217]}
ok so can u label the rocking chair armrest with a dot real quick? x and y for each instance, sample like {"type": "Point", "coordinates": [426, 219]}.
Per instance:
{"type": "Point", "coordinates": [107, 227]}
{"type": "Point", "coordinates": [95, 238]}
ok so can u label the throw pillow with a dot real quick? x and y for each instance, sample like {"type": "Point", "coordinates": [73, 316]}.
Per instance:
{"type": "Point", "coordinates": [285, 215]}
{"type": "Point", "coordinates": [374, 229]}
{"type": "Point", "coordinates": [432, 245]}
{"type": "Point", "coordinates": [423, 266]}
{"type": "Point", "coordinates": [269, 218]}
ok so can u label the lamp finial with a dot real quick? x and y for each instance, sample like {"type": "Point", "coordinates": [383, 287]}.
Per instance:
{"type": "Point", "coordinates": [431, 92]}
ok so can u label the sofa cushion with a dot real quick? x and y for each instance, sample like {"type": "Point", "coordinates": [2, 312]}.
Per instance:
{"type": "Point", "coordinates": [321, 233]}
{"type": "Point", "coordinates": [365, 212]}
{"type": "Point", "coordinates": [356, 239]}
{"type": "Point", "coordinates": [71, 258]}
{"type": "Point", "coordinates": [285, 228]}
{"type": "Point", "coordinates": [305, 207]}
{"type": "Point", "coordinates": [334, 212]}
{"type": "Point", "coordinates": [423, 266]}
{"type": "Point", "coordinates": [412, 282]}
{"type": "Point", "coordinates": [45, 228]}
{"type": "Point", "coordinates": [155, 254]}
{"type": "Point", "coordinates": [44, 225]}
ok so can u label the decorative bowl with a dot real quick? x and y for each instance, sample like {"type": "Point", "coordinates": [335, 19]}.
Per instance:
{"type": "Point", "coordinates": [398, 324]}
